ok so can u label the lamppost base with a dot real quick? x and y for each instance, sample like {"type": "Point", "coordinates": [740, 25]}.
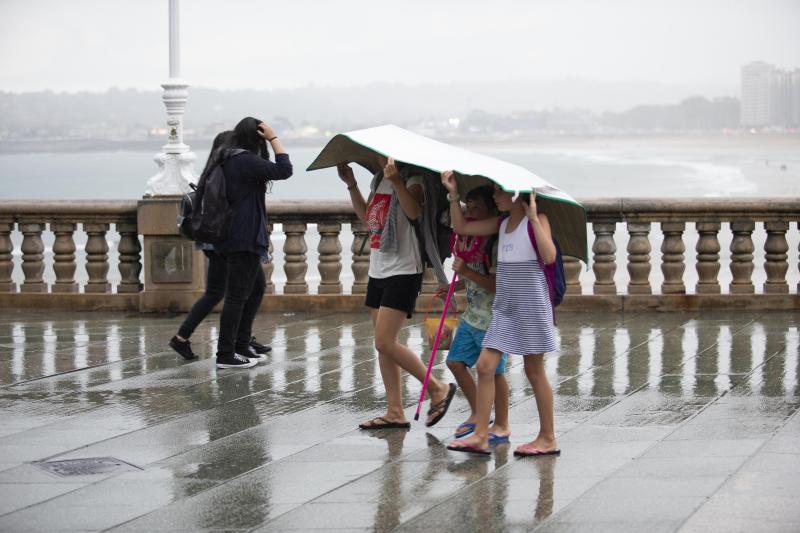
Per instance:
{"type": "Point", "coordinates": [175, 172]}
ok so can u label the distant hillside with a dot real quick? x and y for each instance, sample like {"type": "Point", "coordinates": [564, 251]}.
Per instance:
{"type": "Point", "coordinates": [47, 114]}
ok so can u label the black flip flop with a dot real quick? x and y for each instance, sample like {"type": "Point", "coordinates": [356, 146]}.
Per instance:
{"type": "Point", "coordinates": [387, 424]}
{"type": "Point", "coordinates": [535, 453]}
{"type": "Point", "coordinates": [468, 449]}
{"type": "Point", "coordinates": [442, 406]}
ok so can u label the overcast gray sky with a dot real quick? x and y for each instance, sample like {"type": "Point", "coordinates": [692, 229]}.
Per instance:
{"type": "Point", "coordinates": [94, 44]}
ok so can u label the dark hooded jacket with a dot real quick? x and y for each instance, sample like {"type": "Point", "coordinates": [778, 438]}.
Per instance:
{"type": "Point", "coordinates": [246, 176]}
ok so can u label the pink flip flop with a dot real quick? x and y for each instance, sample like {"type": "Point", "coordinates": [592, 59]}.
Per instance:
{"type": "Point", "coordinates": [461, 446]}
{"type": "Point", "coordinates": [526, 450]}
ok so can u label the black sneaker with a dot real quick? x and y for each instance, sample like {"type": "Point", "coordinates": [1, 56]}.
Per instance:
{"type": "Point", "coordinates": [234, 361]}
{"type": "Point", "coordinates": [249, 353]}
{"type": "Point", "coordinates": [259, 348]}
{"type": "Point", "coordinates": [184, 348]}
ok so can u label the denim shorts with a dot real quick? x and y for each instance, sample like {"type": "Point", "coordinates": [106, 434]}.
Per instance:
{"type": "Point", "coordinates": [466, 347]}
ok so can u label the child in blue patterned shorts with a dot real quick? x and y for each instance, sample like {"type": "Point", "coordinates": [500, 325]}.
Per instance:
{"type": "Point", "coordinates": [474, 264]}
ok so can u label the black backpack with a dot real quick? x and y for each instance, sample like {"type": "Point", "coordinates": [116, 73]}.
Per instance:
{"type": "Point", "coordinates": [443, 231]}
{"type": "Point", "coordinates": [205, 211]}
{"type": "Point", "coordinates": [185, 213]}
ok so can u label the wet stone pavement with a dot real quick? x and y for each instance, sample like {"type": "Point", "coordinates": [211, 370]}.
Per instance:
{"type": "Point", "coordinates": [667, 422]}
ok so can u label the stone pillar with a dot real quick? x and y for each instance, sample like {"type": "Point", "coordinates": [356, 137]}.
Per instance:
{"type": "Point", "coordinates": [130, 264]}
{"type": "Point", "coordinates": [429, 282]}
{"type": "Point", "coordinates": [330, 258]}
{"type": "Point", "coordinates": [295, 266]}
{"type": "Point", "coordinates": [174, 271]}
{"type": "Point", "coordinates": [742, 257]}
{"type": "Point", "coordinates": [6, 259]}
{"type": "Point", "coordinates": [64, 264]}
{"type": "Point", "coordinates": [639, 258]}
{"type": "Point", "coordinates": [360, 250]}
{"type": "Point", "coordinates": [572, 272]}
{"type": "Point", "coordinates": [776, 263]}
{"type": "Point", "coordinates": [708, 258]}
{"type": "Point", "coordinates": [32, 257]}
{"type": "Point", "coordinates": [97, 258]}
{"type": "Point", "coordinates": [672, 265]}
{"type": "Point", "coordinates": [605, 251]}
{"type": "Point", "coordinates": [269, 266]}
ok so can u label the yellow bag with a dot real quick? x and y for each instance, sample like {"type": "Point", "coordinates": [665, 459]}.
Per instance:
{"type": "Point", "coordinates": [448, 331]}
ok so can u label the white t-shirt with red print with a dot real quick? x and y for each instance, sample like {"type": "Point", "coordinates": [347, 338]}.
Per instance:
{"type": "Point", "coordinates": [407, 259]}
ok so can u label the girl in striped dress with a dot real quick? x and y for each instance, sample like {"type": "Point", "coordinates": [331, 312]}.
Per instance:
{"type": "Point", "coordinates": [522, 316]}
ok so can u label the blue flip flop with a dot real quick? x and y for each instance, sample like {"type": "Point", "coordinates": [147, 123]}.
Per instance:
{"type": "Point", "coordinates": [470, 428]}
{"type": "Point", "coordinates": [495, 439]}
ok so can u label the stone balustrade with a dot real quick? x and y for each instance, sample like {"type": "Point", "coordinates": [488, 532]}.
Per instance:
{"type": "Point", "coordinates": [728, 236]}
{"type": "Point", "coordinates": [66, 221]}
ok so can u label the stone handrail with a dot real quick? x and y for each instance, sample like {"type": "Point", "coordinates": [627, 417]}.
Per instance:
{"type": "Point", "coordinates": [62, 218]}
{"type": "Point", "coordinates": [642, 218]}
{"type": "Point", "coordinates": [603, 214]}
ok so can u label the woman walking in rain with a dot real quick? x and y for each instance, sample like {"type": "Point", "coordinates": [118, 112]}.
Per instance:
{"type": "Point", "coordinates": [248, 174]}
{"type": "Point", "coordinates": [395, 280]}
{"type": "Point", "coordinates": [522, 314]}
{"type": "Point", "coordinates": [215, 280]}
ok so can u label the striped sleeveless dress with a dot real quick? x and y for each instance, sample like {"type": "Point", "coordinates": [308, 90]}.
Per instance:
{"type": "Point", "coordinates": [522, 318]}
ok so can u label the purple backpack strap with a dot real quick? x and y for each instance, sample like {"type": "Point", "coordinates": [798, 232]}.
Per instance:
{"type": "Point", "coordinates": [549, 270]}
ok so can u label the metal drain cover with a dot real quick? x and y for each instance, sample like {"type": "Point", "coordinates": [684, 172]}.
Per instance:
{"type": "Point", "coordinates": [85, 467]}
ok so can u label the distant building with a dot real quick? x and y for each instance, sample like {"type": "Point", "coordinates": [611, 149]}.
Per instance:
{"type": "Point", "coordinates": [770, 96]}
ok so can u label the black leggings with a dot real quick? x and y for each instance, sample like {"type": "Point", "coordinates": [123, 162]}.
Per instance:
{"type": "Point", "coordinates": [215, 291]}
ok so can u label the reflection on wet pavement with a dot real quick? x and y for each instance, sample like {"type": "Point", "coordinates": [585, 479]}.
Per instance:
{"type": "Point", "coordinates": [674, 422]}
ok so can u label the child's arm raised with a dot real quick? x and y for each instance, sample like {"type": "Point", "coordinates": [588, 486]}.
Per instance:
{"type": "Point", "coordinates": [541, 230]}
{"type": "Point", "coordinates": [487, 226]}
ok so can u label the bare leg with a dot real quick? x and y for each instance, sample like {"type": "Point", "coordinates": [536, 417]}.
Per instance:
{"type": "Point", "coordinates": [392, 356]}
{"type": "Point", "coordinates": [465, 382]}
{"type": "Point", "coordinates": [392, 383]}
{"type": "Point", "coordinates": [501, 425]}
{"type": "Point", "coordinates": [467, 385]}
{"type": "Point", "coordinates": [487, 364]}
{"type": "Point", "coordinates": [534, 369]}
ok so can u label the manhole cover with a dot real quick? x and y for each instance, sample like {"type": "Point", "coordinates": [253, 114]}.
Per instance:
{"type": "Point", "coordinates": [85, 467]}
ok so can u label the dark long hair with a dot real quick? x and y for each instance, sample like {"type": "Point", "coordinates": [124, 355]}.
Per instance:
{"type": "Point", "coordinates": [486, 194]}
{"type": "Point", "coordinates": [221, 142]}
{"type": "Point", "coordinates": [246, 137]}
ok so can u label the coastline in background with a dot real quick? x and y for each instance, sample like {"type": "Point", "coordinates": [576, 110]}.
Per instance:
{"type": "Point", "coordinates": [587, 167]}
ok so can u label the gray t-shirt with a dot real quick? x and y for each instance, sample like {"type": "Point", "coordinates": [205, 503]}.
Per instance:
{"type": "Point", "coordinates": [407, 259]}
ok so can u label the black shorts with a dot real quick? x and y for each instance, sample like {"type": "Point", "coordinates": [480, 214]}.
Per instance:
{"type": "Point", "coordinates": [396, 292]}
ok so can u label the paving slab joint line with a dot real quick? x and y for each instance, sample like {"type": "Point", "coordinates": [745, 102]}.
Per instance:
{"type": "Point", "coordinates": [172, 420]}
{"type": "Point", "coordinates": [223, 438]}
{"type": "Point", "coordinates": [349, 431]}
{"type": "Point", "coordinates": [606, 408]}
{"type": "Point", "coordinates": [741, 466]}
{"type": "Point", "coordinates": [108, 363]}
{"type": "Point", "coordinates": [130, 359]}
{"type": "Point", "coordinates": [679, 426]}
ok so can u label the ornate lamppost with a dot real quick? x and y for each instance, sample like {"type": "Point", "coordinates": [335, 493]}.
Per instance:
{"type": "Point", "coordinates": [175, 161]}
